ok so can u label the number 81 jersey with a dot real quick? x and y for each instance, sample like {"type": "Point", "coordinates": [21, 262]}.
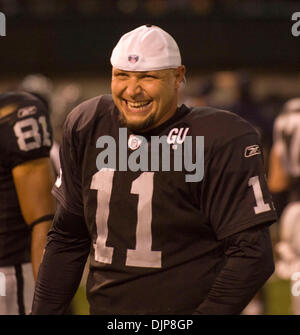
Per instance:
{"type": "Point", "coordinates": [157, 240]}
{"type": "Point", "coordinates": [25, 135]}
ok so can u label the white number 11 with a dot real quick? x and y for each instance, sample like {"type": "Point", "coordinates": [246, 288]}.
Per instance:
{"type": "Point", "coordinates": [142, 255]}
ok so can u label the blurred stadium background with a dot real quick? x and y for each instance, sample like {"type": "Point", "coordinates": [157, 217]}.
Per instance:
{"type": "Point", "coordinates": [240, 56]}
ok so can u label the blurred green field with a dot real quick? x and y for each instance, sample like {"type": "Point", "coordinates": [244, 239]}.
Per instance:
{"type": "Point", "coordinates": [79, 304]}
{"type": "Point", "coordinates": [276, 291]}
{"type": "Point", "coordinates": [278, 297]}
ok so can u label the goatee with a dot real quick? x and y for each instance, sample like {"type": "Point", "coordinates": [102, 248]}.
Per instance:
{"type": "Point", "coordinates": [136, 127]}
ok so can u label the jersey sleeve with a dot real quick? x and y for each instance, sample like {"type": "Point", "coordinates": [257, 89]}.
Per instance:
{"type": "Point", "coordinates": [234, 193]}
{"type": "Point", "coordinates": [26, 133]}
{"type": "Point", "coordinates": [67, 188]}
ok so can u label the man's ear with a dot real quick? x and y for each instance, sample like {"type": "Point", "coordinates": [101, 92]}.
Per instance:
{"type": "Point", "coordinates": [179, 75]}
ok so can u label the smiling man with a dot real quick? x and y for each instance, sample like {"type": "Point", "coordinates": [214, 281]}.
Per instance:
{"type": "Point", "coordinates": [158, 244]}
{"type": "Point", "coordinates": [146, 76]}
{"type": "Point", "coordinates": [144, 98]}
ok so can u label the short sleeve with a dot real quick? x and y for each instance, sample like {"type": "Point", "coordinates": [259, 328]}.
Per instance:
{"type": "Point", "coordinates": [234, 192]}
{"type": "Point", "coordinates": [67, 188]}
{"type": "Point", "coordinates": [26, 133]}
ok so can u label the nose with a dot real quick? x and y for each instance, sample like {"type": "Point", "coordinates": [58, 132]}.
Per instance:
{"type": "Point", "coordinates": [133, 88]}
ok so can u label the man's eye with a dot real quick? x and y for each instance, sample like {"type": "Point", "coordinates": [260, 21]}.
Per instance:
{"type": "Point", "coordinates": [121, 75]}
{"type": "Point", "coordinates": [149, 76]}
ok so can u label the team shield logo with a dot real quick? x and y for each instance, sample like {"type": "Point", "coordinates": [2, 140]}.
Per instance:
{"type": "Point", "coordinates": [134, 142]}
{"type": "Point", "coordinates": [133, 59]}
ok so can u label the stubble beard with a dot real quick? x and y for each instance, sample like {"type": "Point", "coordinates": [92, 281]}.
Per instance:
{"type": "Point", "coordinates": [136, 127]}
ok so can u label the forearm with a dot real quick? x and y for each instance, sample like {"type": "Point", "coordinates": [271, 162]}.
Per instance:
{"type": "Point", "coordinates": [62, 266]}
{"type": "Point", "coordinates": [38, 243]}
{"type": "Point", "coordinates": [249, 264]}
{"type": "Point", "coordinates": [59, 276]}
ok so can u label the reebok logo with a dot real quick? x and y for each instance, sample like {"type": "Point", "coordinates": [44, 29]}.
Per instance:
{"type": "Point", "coordinates": [25, 111]}
{"type": "Point", "coordinates": [252, 150]}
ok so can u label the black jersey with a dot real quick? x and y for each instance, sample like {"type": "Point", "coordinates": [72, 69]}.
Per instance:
{"type": "Point", "coordinates": [25, 134]}
{"type": "Point", "coordinates": [157, 237]}
{"type": "Point", "coordinates": [287, 146]}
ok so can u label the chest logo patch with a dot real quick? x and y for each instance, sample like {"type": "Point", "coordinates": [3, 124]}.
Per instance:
{"type": "Point", "coordinates": [252, 150]}
{"type": "Point", "coordinates": [134, 142]}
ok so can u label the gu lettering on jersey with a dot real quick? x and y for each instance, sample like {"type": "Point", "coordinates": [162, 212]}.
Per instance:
{"type": "Point", "coordinates": [185, 150]}
{"type": "Point", "coordinates": [177, 136]}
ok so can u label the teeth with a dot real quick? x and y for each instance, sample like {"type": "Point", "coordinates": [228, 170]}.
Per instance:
{"type": "Point", "coordinates": [138, 104]}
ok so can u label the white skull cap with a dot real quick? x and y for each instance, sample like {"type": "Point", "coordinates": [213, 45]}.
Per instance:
{"type": "Point", "coordinates": [146, 48]}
